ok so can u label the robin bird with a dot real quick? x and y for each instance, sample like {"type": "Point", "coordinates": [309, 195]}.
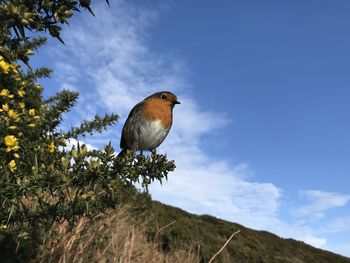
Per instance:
{"type": "Point", "coordinates": [148, 123]}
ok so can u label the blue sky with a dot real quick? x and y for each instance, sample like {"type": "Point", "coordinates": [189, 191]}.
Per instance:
{"type": "Point", "coordinates": [262, 135]}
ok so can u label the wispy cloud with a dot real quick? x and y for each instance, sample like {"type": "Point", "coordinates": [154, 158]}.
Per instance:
{"type": "Point", "coordinates": [319, 202]}
{"type": "Point", "coordinates": [109, 60]}
{"type": "Point", "coordinates": [203, 186]}
{"type": "Point", "coordinates": [341, 224]}
{"type": "Point", "coordinates": [122, 70]}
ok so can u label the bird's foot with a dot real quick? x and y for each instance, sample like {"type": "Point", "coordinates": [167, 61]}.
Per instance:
{"type": "Point", "coordinates": [153, 152]}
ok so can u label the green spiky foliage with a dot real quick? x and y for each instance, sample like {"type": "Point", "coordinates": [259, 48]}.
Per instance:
{"type": "Point", "coordinates": [42, 179]}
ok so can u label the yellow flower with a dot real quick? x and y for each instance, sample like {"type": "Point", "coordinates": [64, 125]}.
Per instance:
{"type": "Point", "coordinates": [16, 155]}
{"type": "Point", "coordinates": [12, 127]}
{"type": "Point", "coordinates": [51, 147]}
{"type": "Point", "coordinates": [22, 105]}
{"type": "Point", "coordinates": [31, 112]}
{"type": "Point", "coordinates": [32, 125]}
{"type": "Point", "coordinates": [36, 117]}
{"type": "Point", "coordinates": [5, 107]}
{"type": "Point", "coordinates": [12, 165]}
{"type": "Point", "coordinates": [2, 226]}
{"type": "Point", "coordinates": [12, 114]}
{"type": "Point", "coordinates": [10, 141]}
{"type": "Point", "coordinates": [21, 93]}
{"type": "Point", "coordinates": [14, 68]}
{"type": "Point", "coordinates": [5, 67]}
{"type": "Point", "coordinates": [4, 93]}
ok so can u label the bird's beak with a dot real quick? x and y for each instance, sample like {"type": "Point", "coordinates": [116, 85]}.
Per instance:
{"type": "Point", "coordinates": [177, 102]}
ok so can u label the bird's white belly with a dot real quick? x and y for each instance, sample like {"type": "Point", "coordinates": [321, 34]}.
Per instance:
{"type": "Point", "coordinates": [150, 135]}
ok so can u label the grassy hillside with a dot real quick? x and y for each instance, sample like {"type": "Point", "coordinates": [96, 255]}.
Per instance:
{"type": "Point", "coordinates": [143, 230]}
{"type": "Point", "coordinates": [209, 234]}
{"type": "Point", "coordinates": [149, 231]}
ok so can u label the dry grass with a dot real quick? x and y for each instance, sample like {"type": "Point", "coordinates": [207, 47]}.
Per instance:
{"type": "Point", "coordinates": [120, 237]}
{"type": "Point", "coordinates": [114, 237]}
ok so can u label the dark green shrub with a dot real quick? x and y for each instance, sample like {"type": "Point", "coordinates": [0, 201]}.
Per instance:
{"type": "Point", "coordinates": [42, 180]}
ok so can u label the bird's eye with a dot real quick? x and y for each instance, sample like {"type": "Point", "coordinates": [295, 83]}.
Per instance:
{"type": "Point", "coordinates": [163, 97]}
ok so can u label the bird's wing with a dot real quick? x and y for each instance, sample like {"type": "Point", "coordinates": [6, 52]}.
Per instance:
{"type": "Point", "coordinates": [134, 116]}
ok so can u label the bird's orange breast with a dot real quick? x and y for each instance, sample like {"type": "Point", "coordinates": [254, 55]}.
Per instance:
{"type": "Point", "coordinates": [156, 109]}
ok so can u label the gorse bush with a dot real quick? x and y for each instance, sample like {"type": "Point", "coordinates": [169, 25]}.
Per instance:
{"type": "Point", "coordinates": [43, 178]}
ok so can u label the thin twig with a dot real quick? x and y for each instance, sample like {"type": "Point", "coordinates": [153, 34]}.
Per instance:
{"type": "Point", "coordinates": [156, 238]}
{"type": "Point", "coordinates": [228, 240]}
{"type": "Point", "coordinates": [162, 228]}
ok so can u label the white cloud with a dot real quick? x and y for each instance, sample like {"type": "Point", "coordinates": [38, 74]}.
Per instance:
{"type": "Point", "coordinates": [110, 53]}
{"type": "Point", "coordinates": [67, 86]}
{"type": "Point", "coordinates": [74, 143]}
{"type": "Point", "coordinates": [111, 56]}
{"type": "Point", "coordinates": [315, 241]}
{"type": "Point", "coordinates": [203, 186]}
{"type": "Point", "coordinates": [319, 202]}
{"type": "Point", "coordinates": [69, 73]}
{"type": "Point", "coordinates": [340, 224]}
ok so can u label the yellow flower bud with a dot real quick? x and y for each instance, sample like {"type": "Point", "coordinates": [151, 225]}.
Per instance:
{"type": "Point", "coordinates": [4, 67]}
{"type": "Point", "coordinates": [12, 114]}
{"type": "Point", "coordinates": [52, 147]}
{"type": "Point", "coordinates": [21, 93]}
{"type": "Point", "coordinates": [4, 93]}
{"type": "Point", "coordinates": [12, 165]}
{"type": "Point", "coordinates": [83, 150]}
{"type": "Point", "coordinates": [64, 162]}
{"type": "Point", "coordinates": [31, 112]}
{"type": "Point", "coordinates": [14, 68]}
{"type": "Point", "coordinates": [5, 107]}
{"type": "Point", "coordinates": [22, 105]}
{"type": "Point", "coordinates": [15, 148]}
{"type": "Point", "coordinates": [8, 149]}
